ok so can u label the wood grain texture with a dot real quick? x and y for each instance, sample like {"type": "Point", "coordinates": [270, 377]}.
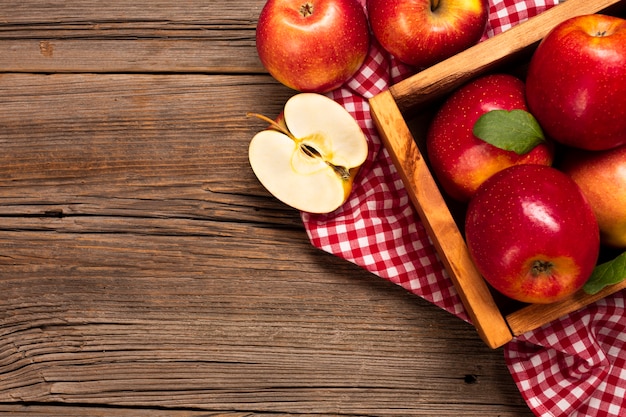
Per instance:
{"type": "Point", "coordinates": [438, 220]}
{"type": "Point", "coordinates": [120, 36]}
{"type": "Point", "coordinates": [536, 315]}
{"type": "Point", "coordinates": [145, 271]}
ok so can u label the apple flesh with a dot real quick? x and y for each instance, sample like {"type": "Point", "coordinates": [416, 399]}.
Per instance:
{"type": "Point", "coordinates": [601, 176]}
{"type": "Point", "coordinates": [532, 234]}
{"type": "Point", "coordinates": [460, 160]}
{"type": "Point", "coordinates": [576, 82]}
{"type": "Point", "coordinates": [312, 45]}
{"type": "Point", "coordinates": [309, 159]}
{"type": "Point", "coordinates": [423, 32]}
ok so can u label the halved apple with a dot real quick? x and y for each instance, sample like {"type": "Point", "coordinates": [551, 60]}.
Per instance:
{"type": "Point", "coordinates": [308, 160]}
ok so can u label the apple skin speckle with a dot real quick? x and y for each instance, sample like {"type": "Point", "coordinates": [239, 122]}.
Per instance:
{"type": "Point", "coordinates": [576, 82]}
{"type": "Point", "coordinates": [315, 49]}
{"type": "Point", "coordinates": [460, 160]}
{"type": "Point", "coordinates": [528, 216]}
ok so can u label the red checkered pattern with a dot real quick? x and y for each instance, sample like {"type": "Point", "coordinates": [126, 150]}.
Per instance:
{"type": "Point", "coordinates": [506, 13]}
{"type": "Point", "coordinates": [572, 367]}
{"type": "Point", "coordinates": [377, 228]}
{"type": "Point", "coordinates": [575, 366]}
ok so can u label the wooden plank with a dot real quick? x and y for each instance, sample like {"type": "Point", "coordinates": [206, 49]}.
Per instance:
{"type": "Point", "coordinates": [121, 36]}
{"type": "Point", "coordinates": [165, 138]}
{"type": "Point", "coordinates": [536, 315]}
{"type": "Point", "coordinates": [149, 320]}
{"type": "Point", "coordinates": [214, 12]}
{"type": "Point", "coordinates": [209, 54]}
{"type": "Point", "coordinates": [438, 220]}
{"type": "Point", "coordinates": [68, 411]}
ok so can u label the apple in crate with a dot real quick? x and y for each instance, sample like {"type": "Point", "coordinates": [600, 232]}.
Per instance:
{"type": "Point", "coordinates": [576, 82]}
{"type": "Point", "coordinates": [532, 234]}
{"type": "Point", "coordinates": [461, 160]}
{"type": "Point", "coordinates": [312, 45]}
{"type": "Point", "coordinates": [309, 158]}
{"type": "Point", "coordinates": [602, 177]}
{"type": "Point", "coordinates": [423, 32]}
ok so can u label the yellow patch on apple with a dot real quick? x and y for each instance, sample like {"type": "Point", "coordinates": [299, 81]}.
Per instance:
{"type": "Point", "coordinates": [309, 160]}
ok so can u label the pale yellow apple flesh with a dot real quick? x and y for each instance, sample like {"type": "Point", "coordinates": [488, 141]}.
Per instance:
{"type": "Point", "coordinates": [310, 165]}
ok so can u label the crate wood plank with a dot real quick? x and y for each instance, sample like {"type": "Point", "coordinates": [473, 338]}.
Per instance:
{"type": "Point", "coordinates": [436, 217]}
{"type": "Point", "coordinates": [537, 315]}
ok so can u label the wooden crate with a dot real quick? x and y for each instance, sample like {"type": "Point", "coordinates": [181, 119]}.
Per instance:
{"type": "Point", "coordinates": [402, 114]}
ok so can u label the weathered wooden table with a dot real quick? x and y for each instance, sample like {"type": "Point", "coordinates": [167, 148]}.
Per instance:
{"type": "Point", "coordinates": [144, 270]}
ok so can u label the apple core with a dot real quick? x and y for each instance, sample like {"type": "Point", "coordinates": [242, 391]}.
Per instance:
{"type": "Point", "coordinates": [305, 149]}
{"type": "Point", "coordinates": [309, 158]}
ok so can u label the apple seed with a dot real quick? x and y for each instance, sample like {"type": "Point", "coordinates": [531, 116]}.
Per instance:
{"type": "Point", "coordinates": [308, 150]}
{"type": "Point", "coordinates": [311, 152]}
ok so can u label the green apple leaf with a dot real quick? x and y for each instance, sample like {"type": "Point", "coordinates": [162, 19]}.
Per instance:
{"type": "Point", "coordinates": [515, 130]}
{"type": "Point", "coordinates": [607, 273]}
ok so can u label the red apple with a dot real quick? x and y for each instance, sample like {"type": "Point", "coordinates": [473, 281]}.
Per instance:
{"type": "Point", "coordinates": [312, 45]}
{"type": "Point", "coordinates": [423, 32]}
{"type": "Point", "coordinates": [602, 177]}
{"type": "Point", "coordinates": [576, 83]}
{"type": "Point", "coordinates": [460, 160]}
{"type": "Point", "coordinates": [532, 234]}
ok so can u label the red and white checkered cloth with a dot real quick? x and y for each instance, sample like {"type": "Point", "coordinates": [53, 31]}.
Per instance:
{"type": "Point", "coordinates": [575, 366]}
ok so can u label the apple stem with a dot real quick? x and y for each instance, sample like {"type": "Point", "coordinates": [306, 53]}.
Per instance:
{"type": "Point", "coordinates": [433, 5]}
{"type": "Point", "coordinates": [273, 124]}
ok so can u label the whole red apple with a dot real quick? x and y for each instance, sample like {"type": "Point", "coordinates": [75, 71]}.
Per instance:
{"type": "Point", "coordinates": [423, 32]}
{"type": "Point", "coordinates": [312, 45]}
{"type": "Point", "coordinates": [576, 83]}
{"type": "Point", "coordinates": [532, 234]}
{"type": "Point", "coordinates": [460, 160]}
{"type": "Point", "coordinates": [601, 176]}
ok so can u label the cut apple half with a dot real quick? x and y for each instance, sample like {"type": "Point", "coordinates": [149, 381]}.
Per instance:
{"type": "Point", "coordinates": [309, 158]}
